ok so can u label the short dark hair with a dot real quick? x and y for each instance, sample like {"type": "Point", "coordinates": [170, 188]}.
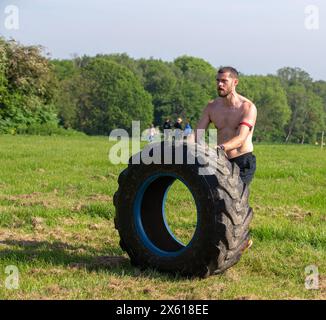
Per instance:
{"type": "Point", "coordinates": [233, 72]}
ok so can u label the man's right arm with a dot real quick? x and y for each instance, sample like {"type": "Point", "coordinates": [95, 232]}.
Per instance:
{"type": "Point", "coordinates": [202, 125]}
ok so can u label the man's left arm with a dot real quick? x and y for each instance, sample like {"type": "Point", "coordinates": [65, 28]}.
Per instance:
{"type": "Point", "coordinates": [245, 126]}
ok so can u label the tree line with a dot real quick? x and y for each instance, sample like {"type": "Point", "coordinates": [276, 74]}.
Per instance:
{"type": "Point", "coordinates": [97, 94]}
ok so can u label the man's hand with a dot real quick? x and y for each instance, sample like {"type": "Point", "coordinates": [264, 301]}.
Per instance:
{"type": "Point", "coordinates": [191, 138]}
{"type": "Point", "coordinates": [222, 148]}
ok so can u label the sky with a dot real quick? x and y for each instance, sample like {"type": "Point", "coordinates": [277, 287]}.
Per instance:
{"type": "Point", "coordinates": [254, 36]}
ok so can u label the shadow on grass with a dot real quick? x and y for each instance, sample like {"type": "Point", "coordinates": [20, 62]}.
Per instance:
{"type": "Point", "coordinates": [75, 257]}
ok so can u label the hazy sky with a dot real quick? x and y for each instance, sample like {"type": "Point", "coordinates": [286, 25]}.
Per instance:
{"type": "Point", "coordinates": [255, 36]}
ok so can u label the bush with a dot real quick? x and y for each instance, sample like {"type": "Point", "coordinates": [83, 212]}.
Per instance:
{"type": "Point", "coordinates": [46, 129]}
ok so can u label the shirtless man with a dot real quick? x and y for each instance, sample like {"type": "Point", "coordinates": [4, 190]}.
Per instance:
{"type": "Point", "coordinates": [234, 116]}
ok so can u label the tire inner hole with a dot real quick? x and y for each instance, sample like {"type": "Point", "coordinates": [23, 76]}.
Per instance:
{"type": "Point", "coordinates": [168, 214]}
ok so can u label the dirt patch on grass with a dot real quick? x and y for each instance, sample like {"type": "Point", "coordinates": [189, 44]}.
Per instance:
{"type": "Point", "coordinates": [46, 200]}
{"type": "Point", "coordinates": [297, 213]}
{"type": "Point", "coordinates": [247, 297]}
{"type": "Point", "coordinates": [52, 200]}
{"type": "Point", "coordinates": [293, 213]}
{"type": "Point", "coordinates": [99, 198]}
{"type": "Point", "coordinates": [37, 223]}
{"type": "Point", "coordinates": [107, 262]}
{"type": "Point", "coordinates": [232, 275]}
{"type": "Point", "coordinates": [46, 271]}
{"type": "Point", "coordinates": [322, 287]}
{"type": "Point", "coordinates": [2, 185]}
{"type": "Point", "coordinates": [54, 239]}
{"type": "Point", "coordinates": [99, 178]}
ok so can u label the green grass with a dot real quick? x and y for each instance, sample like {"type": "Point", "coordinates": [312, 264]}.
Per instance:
{"type": "Point", "coordinates": [56, 226]}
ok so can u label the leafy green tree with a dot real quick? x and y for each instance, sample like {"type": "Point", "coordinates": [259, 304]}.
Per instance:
{"type": "Point", "coordinates": [307, 116]}
{"type": "Point", "coordinates": [160, 81]}
{"type": "Point", "coordinates": [319, 88]}
{"type": "Point", "coordinates": [273, 111]}
{"type": "Point", "coordinates": [189, 99]}
{"type": "Point", "coordinates": [196, 86]}
{"type": "Point", "coordinates": [27, 85]}
{"type": "Point", "coordinates": [3, 78]}
{"type": "Point", "coordinates": [64, 69]}
{"type": "Point", "coordinates": [313, 120]}
{"type": "Point", "coordinates": [297, 99]}
{"type": "Point", "coordinates": [112, 98]}
{"type": "Point", "coordinates": [68, 74]}
{"type": "Point", "coordinates": [124, 60]}
{"type": "Point", "coordinates": [198, 71]}
{"type": "Point", "coordinates": [294, 76]}
{"type": "Point", "coordinates": [29, 72]}
{"type": "Point", "coordinates": [66, 99]}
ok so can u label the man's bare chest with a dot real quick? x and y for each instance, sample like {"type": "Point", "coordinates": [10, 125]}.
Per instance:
{"type": "Point", "coordinates": [226, 118]}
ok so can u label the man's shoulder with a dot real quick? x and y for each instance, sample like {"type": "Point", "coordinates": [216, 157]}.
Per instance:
{"type": "Point", "coordinates": [246, 103]}
{"type": "Point", "coordinates": [214, 103]}
{"type": "Point", "coordinates": [213, 107]}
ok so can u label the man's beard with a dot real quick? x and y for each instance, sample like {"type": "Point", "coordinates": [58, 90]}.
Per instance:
{"type": "Point", "coordinates": [223, 94]}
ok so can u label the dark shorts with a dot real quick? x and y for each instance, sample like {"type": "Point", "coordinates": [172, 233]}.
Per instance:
{"type": "Point", "coordinates": [247, 165]}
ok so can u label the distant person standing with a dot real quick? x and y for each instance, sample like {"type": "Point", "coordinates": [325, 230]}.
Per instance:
{"type": "Point", "coordinates": [187, 130]}
{"type": "Point", "coordinates": [151, 133]}
{"type": "Point", "coordinates": [167, 126]}
{"type": "Point", "coordinates": [178, 129]}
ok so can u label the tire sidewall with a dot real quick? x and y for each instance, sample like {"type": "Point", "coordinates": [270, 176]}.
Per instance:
{"type": "Point", "coordinates": [194, 254]}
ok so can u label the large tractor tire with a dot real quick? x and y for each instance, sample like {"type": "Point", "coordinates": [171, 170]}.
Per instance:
{"type": "Point", "coordinates": [223, 213]}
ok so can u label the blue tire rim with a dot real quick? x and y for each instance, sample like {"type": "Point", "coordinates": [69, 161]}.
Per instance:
{"type": "Point", "coordinates": [150, 218]}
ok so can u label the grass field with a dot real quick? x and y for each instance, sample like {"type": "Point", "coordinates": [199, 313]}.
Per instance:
{"type": "Point", "coordinates": [56, 226]}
